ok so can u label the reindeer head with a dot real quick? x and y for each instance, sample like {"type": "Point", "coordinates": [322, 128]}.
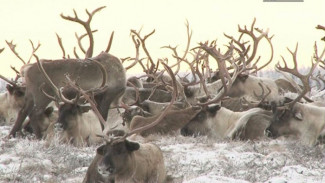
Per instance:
{"type": "Point", "coordinates": [116, 157]}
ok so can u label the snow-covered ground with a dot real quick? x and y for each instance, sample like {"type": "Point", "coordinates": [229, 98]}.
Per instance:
{"type": "Point", "coordinates": [187, 159]}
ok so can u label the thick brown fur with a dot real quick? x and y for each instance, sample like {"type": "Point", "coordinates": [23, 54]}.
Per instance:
{"type": "Point", "coordinates": [88, 75]}
{"type": "Point", "coordinates": [129, 162]}
{"type": "Point", "coordinates": [173, 121]}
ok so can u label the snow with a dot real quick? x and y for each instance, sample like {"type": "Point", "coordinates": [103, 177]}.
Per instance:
{"type": "Point", "coordinates": [187, 159]}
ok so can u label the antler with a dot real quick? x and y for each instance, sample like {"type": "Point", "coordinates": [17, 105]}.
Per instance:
{"type": "Point", "coordinates": [136, 59]}
{"type": "Point", "coordinates": [319, 58]}
{"type": "Point", "coordinates": [161, 116]}
{"type": "Point", "coordinates": [256, 41]}
{"type": "Point", "coordinates": [110, 43]}
{"type": "Point", "coordinates": [151, 68]}
{"type": "Point", "coordinates": [87, 97]}
{"type": "Point", "coordinates": [86, 25]}
{"type": "Point", "coordinates": [321, 28]}
{"type": "Point", "coordinates": [13, 49]}
{"type": "Point", "coordinates": [174, 49]}
{"type": "Point", "coordinates": [61, 45]}
{"type": "Point", "coordinates": [58, 92]}
{"type": "Point", "coordinates": [79, 38]}
{"type": "Point", "coordinates": [223, 72]}
{"type": "Point", "coordinates": [294, 71]}
{"type": "Point", "coordinates": [8, 81]}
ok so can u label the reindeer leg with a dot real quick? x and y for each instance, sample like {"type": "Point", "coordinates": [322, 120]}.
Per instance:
{"type": "Point", "coordinates": [27, 108]}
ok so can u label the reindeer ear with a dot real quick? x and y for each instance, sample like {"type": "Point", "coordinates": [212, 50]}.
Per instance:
{"type": "Point", "coordinates": [10, 88]}
{"type": "Point", "coordinates": [48, 111]}
{"type": "Point", "coordinates": [298, 115]}
{"type": "Point", "coordinates": [132, 146]}
{"type": "Point", "coordinates": [85, 108]}
{"type": "Point", "coordinates": [213, 108]}
{"type": "Point", "coordinates": [138, 110]}
{"type": "Point", "coordinates": [19, 93]}
{"type": "Point", "coordinates": [242, 77]}
{"type": "Point", "coordinates": [287, 100]}
{"type": "Point", "coordinates": [100, 150]}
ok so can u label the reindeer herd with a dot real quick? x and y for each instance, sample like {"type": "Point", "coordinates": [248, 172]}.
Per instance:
{"type": "Point", "coordinates": [70, 98]}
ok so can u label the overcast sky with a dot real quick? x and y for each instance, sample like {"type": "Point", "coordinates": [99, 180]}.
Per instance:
{"type": "Point", "coordinates": [38, 20]}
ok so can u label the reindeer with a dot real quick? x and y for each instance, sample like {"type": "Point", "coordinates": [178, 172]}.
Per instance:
{"type": "Point", "coordinates": [245, 83]}
{"type": "Point", "coordinates": [303, 121]}
{"type": "Point", "coordinates": [78, 123]}
{"type": "Point", "coordinates": [121, 160]}
{"type": "Point", "coordinates": [156, 95]}
{"type": "Point", "coordinates": [135, 81]}
{"type": "Point", "coordinates": [13, 100]}
{"type": "Point", "coordinates": [88, 73]}
{"type": "Point", "coordinates": [148, 109]}
{"type": "Point", "coordinates": [218, 122]}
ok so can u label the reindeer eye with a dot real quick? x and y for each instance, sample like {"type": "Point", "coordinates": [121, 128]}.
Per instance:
{"type": "Point", "coordinates": [19, 93]}
{"type": "Point", "coordinates": [111, 170]}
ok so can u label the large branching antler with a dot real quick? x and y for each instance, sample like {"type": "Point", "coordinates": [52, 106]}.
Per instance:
{"type": "Point", "coordinates": [256, 40]}
{"type": "Point", "coordinates": [4, 78]}
{"type": "Point", "coordinates": [294, 71]}
{"type": "Point", "coordinates": [224, 75]}
{"type": "Point", "coordinates": [174, 49]}
{"type": "Point", "coordinates": [150, 65]}
{"type": "Point", "coordinates": [12, 47]}
{"type": "Point", "coordinates": [137, 53]}
{"type": "Point", "coordinates": [86, 25]}
{"type": "Point", "coordinates": [79, 39]}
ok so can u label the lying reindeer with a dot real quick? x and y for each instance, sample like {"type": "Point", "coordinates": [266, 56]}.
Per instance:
{"type": "Point", "coordinates": [302, 121]}
{"type": "Point", "coordinates": [11, 102]}
{"type": "Point", "coordinates": [121, 160]}
{"type": "Point", "coordinates": [219, 122]}
{"type": "Point", "coordinates": [173, 121]}
{"type": "Point", "coordinates": [127, 161]}
{"type": "Point", "coordinates": [79, 124]}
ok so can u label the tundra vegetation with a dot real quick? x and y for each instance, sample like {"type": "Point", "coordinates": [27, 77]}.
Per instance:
{"type": "Point", "coordinates": [83, 120]}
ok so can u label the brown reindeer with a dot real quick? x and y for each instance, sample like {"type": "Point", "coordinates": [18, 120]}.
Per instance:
{"type": "Point", "coordinates": [88, 73]}
{"type": "Point", "coordinates": [121, 160]}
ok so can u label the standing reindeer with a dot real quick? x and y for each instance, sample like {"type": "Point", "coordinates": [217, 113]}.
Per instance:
{"type": "Point", "coordinates": [88, 72]}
